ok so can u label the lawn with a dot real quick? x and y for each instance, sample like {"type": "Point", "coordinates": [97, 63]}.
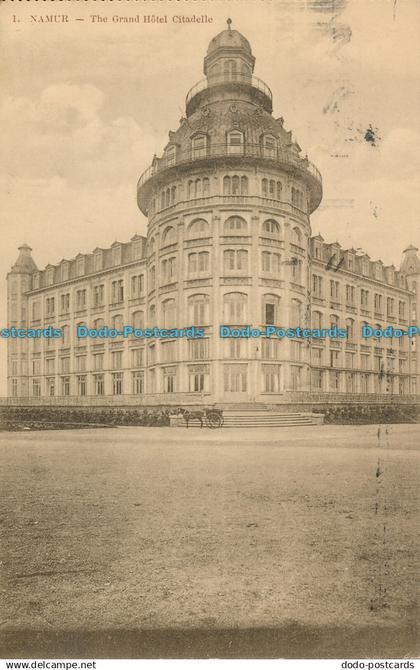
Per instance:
{"type": "Point", "coordinates": [166, 542]}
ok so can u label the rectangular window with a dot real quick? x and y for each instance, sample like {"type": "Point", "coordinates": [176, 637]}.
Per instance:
{"type": "Point", "coordinates": [199, 349]}
{"type": "Point", "coordinates": [137, 358]}
{"type": "Point", "coordinates": [36, 388]}
{"type": "Point", "coordinates": [81, 299]}
{"type": "Point", "coordinates": [65, 386]}
{"type": "Point", "coordinates": [334, 358]}
{"type": "Point", "coordinates": [137, 286]}
{"type": "Point", "coordinates": [98, 361]}
{"type": "Point", "coordinates": [98, 295]}
{"type": "Point", "coordinates": [364, 298]}
{"type": "Point", "coordinates": [49, 306]}
{"type": "Point", "coordinates": [14, 388]}
{"type": "Point", "coordinates": [334, 289]}
{"type": "Point", "coordinates": [117, 383]}
{"type": "Point", "coordinates": [117, 291]}
{"type": "Point", "coordinates": [116, 359]}
{"type": "Point", "coordinates": [270, 313]}
{"type": "Point", "coordinates": [317, 380]}
{"type": "Point", "coordinates": [169, 378]}
{"type": "Point", "coordinates": [137, 383]}
{"type": "Point", "coordinates": [65, 303]}
{"type": "Point", "coordinates": [99, 387]}
{"type": "Point", "coordinates": [271, 378]}
{"type": "Point", "coordinates": [81, 385]}
{"type": "Point", "coordinates": [317, 286]}
{"type": "Point", "coordinates": [168, 351]}
{"type": "Point", "coordinates": [65, 364]}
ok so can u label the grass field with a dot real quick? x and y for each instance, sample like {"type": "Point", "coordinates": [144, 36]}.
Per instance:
{"type": "Point", "coordinates": [167, 542]}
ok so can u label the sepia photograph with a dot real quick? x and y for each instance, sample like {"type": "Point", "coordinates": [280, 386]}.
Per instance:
{"type": "Point", "coordinates": [209, 366]}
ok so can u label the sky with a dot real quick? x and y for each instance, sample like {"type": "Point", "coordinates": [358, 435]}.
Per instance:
{"type": "Point", "coordinates": [85, 104]}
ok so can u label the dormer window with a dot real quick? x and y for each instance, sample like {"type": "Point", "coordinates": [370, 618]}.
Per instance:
{"type": "Point", "coordinates": [116, 255]}
{"type": "Point", "coordinates": [35, 280]}
{"type": "Point", "coordinates": [199, 146]}
{"type": "Point", "coordinates": [269, 146]}
{"type": "Point", "coordinates": [64, 272]}
{"type": "Point", "coordinates": [365, 267]}
{"type": "Point", "coordinates": [80, 266]}
{"type": "Point", "coordinates": [171, 155]}
{"type": "Point", "coordinates": [235, 142]}
{"type": "Point", "coordinates": [378, 271]}
{"type": "Point", "coordinates": [50, 276]}
{"type": "Point", "coordinates": [350, 261]}
{"type": "Point", "coordinates": [97, 260]}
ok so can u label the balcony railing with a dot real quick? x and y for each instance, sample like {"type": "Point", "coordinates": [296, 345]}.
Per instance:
{"type": "Point", "coordinates": [275, 154]}
{"type": "Point", "coordinates": [203, 84]}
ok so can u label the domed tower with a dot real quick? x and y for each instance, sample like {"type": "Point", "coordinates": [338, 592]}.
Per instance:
{"type": "Point", "coordinates": [228, 205]}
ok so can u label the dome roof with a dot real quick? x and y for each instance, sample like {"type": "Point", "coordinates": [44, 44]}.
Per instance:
{"type": "Point", "coordinates": [229, 38]}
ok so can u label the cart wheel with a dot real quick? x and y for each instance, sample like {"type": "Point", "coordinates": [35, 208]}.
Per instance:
{"type": "Point", "coordinates": [214, 420]}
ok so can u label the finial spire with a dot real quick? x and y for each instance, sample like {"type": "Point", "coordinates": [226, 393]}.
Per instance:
{"type": "Point", "coordinates": [229, 21]}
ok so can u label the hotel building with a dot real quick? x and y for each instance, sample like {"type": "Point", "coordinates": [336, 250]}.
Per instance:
{"type": "Point", "coordinates": [228, 242]}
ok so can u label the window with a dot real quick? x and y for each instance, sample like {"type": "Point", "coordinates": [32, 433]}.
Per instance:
{"type": "Point", "coordinates": [199, 146]}
{"type": "Point", "coordinates": [234, 348]}
{"type": "Point", "coordinates": [50, 387]}
{"type": "Point", "coordinates": [168, 351]}
{"type": "Point", "coordinates": [235, 185]}
{"type": "Point", "coordinates": [295, 377]}
{"type": "Point", "coordinates": [199, 349]}
{"type": "Point", "coordinates": [137, 320]}
{"type": "Point", "coordinates": [235, 260]}
{"type": "Point", "coordinates": [401, 309]}
{"type": "Point", "coordinates": [116, 359]}
{"type": "Point", "coordinates": [152, 278]}
{"type": "Point", "coordinates": [364, 298]}
{"type": "Point", "coordinates": [152, 245]}
{"type": "Point", "coordinates": [65, 336]}
{"type": "Point", "coordinates": [98, 361]}
{"type": "Point", "coordinates": [317, 286]}
{"type": "Point", "coordinates": [271, 309]}
{"type": "Point", "coordinates": [317, 380]}
{"type": "Point", "coordinates": [49, 306]}
{"type": "Point", "coordinates": [235, 224]}
{"type": "Point", "coordinates": [65, 303]}
{"type": "Point", "coordinates": [171, 155]}
{"type": "Point", "coordinates": [198, 378]}
{"type": "Point", "coordinates": [390, 302]}
{"type": "Point", "coordinates": [270, 262]}
{"type": "Point", "coordinates": [169, 236]}
{"type": "Point", "coordinates": [137, 286]}
{"type": "Point", "coordinates": [334, 358]}
{"type": "Point", "coordinates": [235, 378]}
{"type": "Point", "coordinates": [65, 386]}
{"type": "Point", "coordinates": [296, 310]}
{"type": "Point", "coordinates": [117, 383]}
{"type": "Point", "coordinates": [169, 270]}
{"type": "Point", "coordinates": [98, 324]}
{"type": "Point", "coordinates": [271, 378]}
{"type": "Point", "coordinates": [350, 295]}
{"type": "Point", "coordinates": [137, 358]}
{"type": "Point", "coordinates": [169, 378]}
{"type": "Point", "coordinates": [198, 263]}
{"type": "Point", "coordinates": [169, 313]}
{"type": "Point", "coordinates": [235, 142]}
{"type": "Point", "coordinates": [50, 276]}
{"type": "Point", "coordinates": [81, 363]}
{"type": "Point", "coordinates": [98, 384]}
{"type": "Point", "coordinates": [36, 388]}
{"type": "Point", "coordinates": [81, 299]}
{"type": "Point", "coordinates": [137, 382]}
{"type": "Point", "coordinates": [97, 260]}
{"type": "Point", "coordinates": [36, 366]}
{"type": "Point", "coordinates": [235, 308]}
{"type": "Point", "coordinates": [81, 385]}
{"type": "Point", "coordinates": [364, 361]}
{"type": "Point", "coordinates": [334, 290]}
{"type": "Point", "coordinates": [316, 356]}
{"type": "Point", "coordinates": [117, 291]}
{"type": "Point", "coordinates": [350, 329]}
{"type": "Point", "coordinates": [333, 321]}
{"type": "Point", "coordinates": [271, 227]}
{"type": "Point", "coordinates": [270, 348]}
{"type": "Point", "coordinates": [269, 146]}
{"type": "Point", "coordinates": [350, 357]}
{"type": "Point", "coordinates": [98, 295]}
{"type": "Point", "coordinates": [198, 309]}
{"type": "Point", "coordinates": [230, 70]}
{"type": "Point", "coordinates": [36, 311]}
{"type": "Point", "coordinates": [198, 228]}
{"type": "Point", "coordinates": [117, 322]}
{"type": "Point", "coordinates": [378, 302]}
{"type": "Point", "coordinates": [335, 378]}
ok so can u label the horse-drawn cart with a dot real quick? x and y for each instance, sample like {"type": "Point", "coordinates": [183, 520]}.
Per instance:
{"type": "Point", "coordinates": [212, 417]}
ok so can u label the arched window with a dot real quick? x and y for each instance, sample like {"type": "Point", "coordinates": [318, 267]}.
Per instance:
{"type": "Point", "coordinates": [198, 309]}
{"type": "Point", "coordinates": [152, 315]}
{"type": "Point", "coordinates": [117, 321]}
{"type": "Point", "coordinates": [235, 142]}
{"type": "Point", "coordinates": [244, 185]}
{"type": "Point", "coordinates": [169, 236]}
{"type": "Point", "coordinates": [271, 227]}
{"type": "Point", "coordinates": [206, 186]}
{"type": "Point", "coordinates": [235, 224]}
{"type": "Point", "coordinates": [162, 200]}
{"type": "Point", "coordinates": [137, 319]}
{"type": "Point", "coordinates": [198, 228]}
{"type": "Point", "coordinates": [235, 259]}
{"type": "Point", "coordinates": [173, 194]}
{"type": "Point", "coordinates": [227, 186]}
{"type": "Point", "coordinates": [235, 185]}
{"type": "Point", "coordinates": [334, 321]}
{"type": "Point", "coordinates": [168, 197]}
{"type": "Point", "coordinates": [199, 145]}
{"type": "Point", "coordinates": [279, 190]}
{"type": "Point", "coordinates": [197, 193]}
{"type": "Point", "coordinates": [272, 189]}
{"type": "Point", "coordinates": [230, 70]}
{"type": "Point", "coordinates": [65, 337]}
{"type": "Point", "coordinates": [98, 323]}
{"type": "Point", "coordinates": [235, 308]}
{"type": "Point", "coordinates": [190, 189]}
{"type": "Point", "coordinates": [296, 236]}
{"type": "Point", "coordinates": [169, 313]}
{"type": "Point", "coordinates": [264, 188]}
{"type": "Point", "coordinates": [169, 269]}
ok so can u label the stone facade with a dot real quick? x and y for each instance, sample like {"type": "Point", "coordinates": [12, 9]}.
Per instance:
{"type": "Point", "coordinates": [229, 243]}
